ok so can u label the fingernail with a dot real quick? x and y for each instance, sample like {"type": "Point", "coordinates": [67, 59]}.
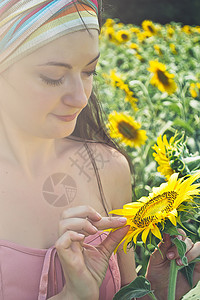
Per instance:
{"type": "Point", "coordinates": [81, 235]}
{"type": "Point", "coordinates": [98, 215]}
{"type": "Point", "coordinates": [179, 237]}
{"type": "Point", "coordinates": [122, 219]}
{"type": "Point", "coordinates": [179, 262]}
{"type": "Point", "coordinates": [95, 229]}
{"type": "Point", "coordinates": [170, 255]}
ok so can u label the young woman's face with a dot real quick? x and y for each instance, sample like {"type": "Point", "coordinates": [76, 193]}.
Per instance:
{"type": "Point", "coordinates": [43, 93]}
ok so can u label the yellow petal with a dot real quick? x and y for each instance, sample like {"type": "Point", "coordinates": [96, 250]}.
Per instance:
{"type": "Point", "coordinates": [126, 242]}
{"type": "Point", "coordinates": [172, 218]}
{"type": "Point", "coordinates": [145, 234]}
{"type": "Point", "coordinates": [132, 205]}
{"type": "Point", "coordinates": [135, 234]}
{"type": "Point", "coordinates": [119, 244]}
{"type": "Point", "coordinates": [155, 230]}
{"type": "Point", "coordinates": [174, 212]}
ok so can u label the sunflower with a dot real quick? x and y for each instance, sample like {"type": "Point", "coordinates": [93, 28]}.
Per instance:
{"type": "Point", "coordinates": [197, 29]}
{"type": "Point", "coordinates": [187, 29]}
{"type": "Point", "coordinates": [148, 215]}
{"type": "Point", "coordinates": [149, 27]}
{"type": "Point", "coordinates": [170, 31]}
{"type": "Point", "coordinates": [140, 57]}
{"type": "Point", "coordinates": [109, 23]}
{"type": "Point", "coordinates": [134, 46]}
{"type": "Point", "coordinates": [110, 34]}
{"type": "Point", "coordinates": [173, 48]}
{"type": "Point", "coordinates": [126, 129]}
{"type": "Point", "coordinates": [158, 49]}
{"type": "Point", "coordinates": [142, 36]}
{"type": "Point", "coordinates": [122, 36]}
{"type": "Point", "coordinates": [131, 99]}
{"type": "Point", "coordinates": [135, 30]}
{"type": "Point", "coordinates": [161, 155]}
{"type": "Point", "coordinates": [115, 79]}
{"type": "Point", "coordinates": [194, 89]}
{"type": "Point", "coordinates": [161, 78]}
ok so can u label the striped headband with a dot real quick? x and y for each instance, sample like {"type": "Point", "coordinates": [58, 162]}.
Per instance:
{"type": "Point", "coordinates": [26, 25]}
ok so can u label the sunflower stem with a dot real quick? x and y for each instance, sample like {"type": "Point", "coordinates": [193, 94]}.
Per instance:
{"type": "Point", "coordinates": [172, 280]}
{"type": "Point", "coordinates": [138, 82]}
{"type": "Point", "coordinates": [152, 296]}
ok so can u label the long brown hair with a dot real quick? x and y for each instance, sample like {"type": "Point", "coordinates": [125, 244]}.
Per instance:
{"type": "Point", "coordinates": [90, 124]}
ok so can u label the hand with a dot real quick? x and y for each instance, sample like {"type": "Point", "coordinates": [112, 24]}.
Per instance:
{"type": "Point", "coordinates": [158, 268]}
{"type": "Point", "coordinates": [85, 266]}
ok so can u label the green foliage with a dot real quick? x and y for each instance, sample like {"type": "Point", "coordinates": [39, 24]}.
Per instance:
{"type": "Point", "coordinates": [181, 247]}
{"type": "Point", "coordinates": [158, 112]}
{"type": "Point", "coordinates": [140, 287]}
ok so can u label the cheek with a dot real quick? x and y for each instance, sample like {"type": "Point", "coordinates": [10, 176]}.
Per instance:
{"type": "Point", "coordinates": [88, 88]}
{"type": "Point", "coordinates": [39, 98]}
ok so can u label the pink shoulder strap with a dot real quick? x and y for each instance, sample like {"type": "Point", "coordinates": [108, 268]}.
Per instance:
{"type": "Point", "coordinates": [48, 260]}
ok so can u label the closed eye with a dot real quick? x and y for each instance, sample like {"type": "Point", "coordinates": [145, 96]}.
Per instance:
{"type": "Point", "coordinates": [90, 73]}
{"type": "Point", "coordinates": [52, 82]}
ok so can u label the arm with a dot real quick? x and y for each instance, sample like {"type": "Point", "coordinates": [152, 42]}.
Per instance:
{"type": "Point", "coordinates": [121, 178]}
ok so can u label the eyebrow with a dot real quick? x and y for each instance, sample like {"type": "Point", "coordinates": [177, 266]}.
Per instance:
{"type": "Point", "coordinates": [68, 66]}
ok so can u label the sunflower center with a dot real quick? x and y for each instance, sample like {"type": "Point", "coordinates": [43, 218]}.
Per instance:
{"type": "Point", "coordinates": [150, 29]}
{"type": "Point", "coordinates": [162, 77]}
{"type": "Point", "coordinates": [124, 36]}
{"type": "Point", "coordinates": [127, 130]}
{"type": "Point", "coordinates": [152, 210]}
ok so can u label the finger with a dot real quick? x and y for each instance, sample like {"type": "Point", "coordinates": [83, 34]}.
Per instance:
{"type": "Point", "coordinates": [173, 252]}
{"type": "Point", "coordinates": [67, 239]}
{"type": "Point", "coordinates": [79, 225]}
{"type": "Point", "coordinates": [193, 253]}
{"type": "Point", "coordinates": [182, 233]}
{"type": "Point", "coordinates": [110, 222]}
{"type": "Point", "coordinates": [164, 247]}
{"type": "Point", "coordinates": [112, 240]}
{"type": "Point", "coordinates": [69, 249]}
{"type": "Point", "coordinates": [81, 212]}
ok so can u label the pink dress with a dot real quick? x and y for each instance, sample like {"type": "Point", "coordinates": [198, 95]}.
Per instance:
{"type": "Point", "coordinates": [36, 274]}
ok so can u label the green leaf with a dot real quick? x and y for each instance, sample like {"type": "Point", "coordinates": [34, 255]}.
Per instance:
{"type": "Point", "coordinates": [195, 104]}
{"type": "Point", "coordinates": [137, 288]}
{"type": "Point", "coordinates": [181, 247]}
{"type": "Point", "coordinates": [193, 162]}
{"type": "Point", "coordinates": [183, 124]}
{"type": "Point", "coordinates": [188, 273]}
{"type": "Point", "coordinates": [189, 270]}
{"type": "Point", "coordinates": [171, 229]}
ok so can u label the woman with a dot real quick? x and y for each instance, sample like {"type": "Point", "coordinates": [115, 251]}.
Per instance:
{"type": "Point", "coordinates": [57, 187]}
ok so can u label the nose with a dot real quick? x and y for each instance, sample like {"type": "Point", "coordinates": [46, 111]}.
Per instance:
{"type": "Point", "coordinates": [75, 93]}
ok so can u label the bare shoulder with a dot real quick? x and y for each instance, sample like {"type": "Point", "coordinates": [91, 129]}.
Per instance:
{"type": "Point", "coordinates": [112, 166]}
{"type": "Point", "coordinates": [115, 174]}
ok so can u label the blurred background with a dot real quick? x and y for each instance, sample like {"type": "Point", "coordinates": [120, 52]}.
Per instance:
{"type": "Point", "coordinates": [148, 82]}
{"type": "Point", "coordinates": [160, 11]}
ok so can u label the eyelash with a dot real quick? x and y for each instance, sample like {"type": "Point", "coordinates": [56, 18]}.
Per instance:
{"type": "Point", "coordinates": [94, 73]}
{"type": "Point", "coordinates": [52, 82]}
{"type": "Point", "coordinates": [58, 82]}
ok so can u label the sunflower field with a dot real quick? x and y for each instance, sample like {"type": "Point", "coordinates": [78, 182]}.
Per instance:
{"type": "Point", "coordinates": [148, 81]}
{"type": "Point", "coordinates": [149, 84]}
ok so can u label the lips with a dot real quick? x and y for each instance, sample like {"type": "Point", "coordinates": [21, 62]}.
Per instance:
{"type": "Point", "coordinates": [66, 118]}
